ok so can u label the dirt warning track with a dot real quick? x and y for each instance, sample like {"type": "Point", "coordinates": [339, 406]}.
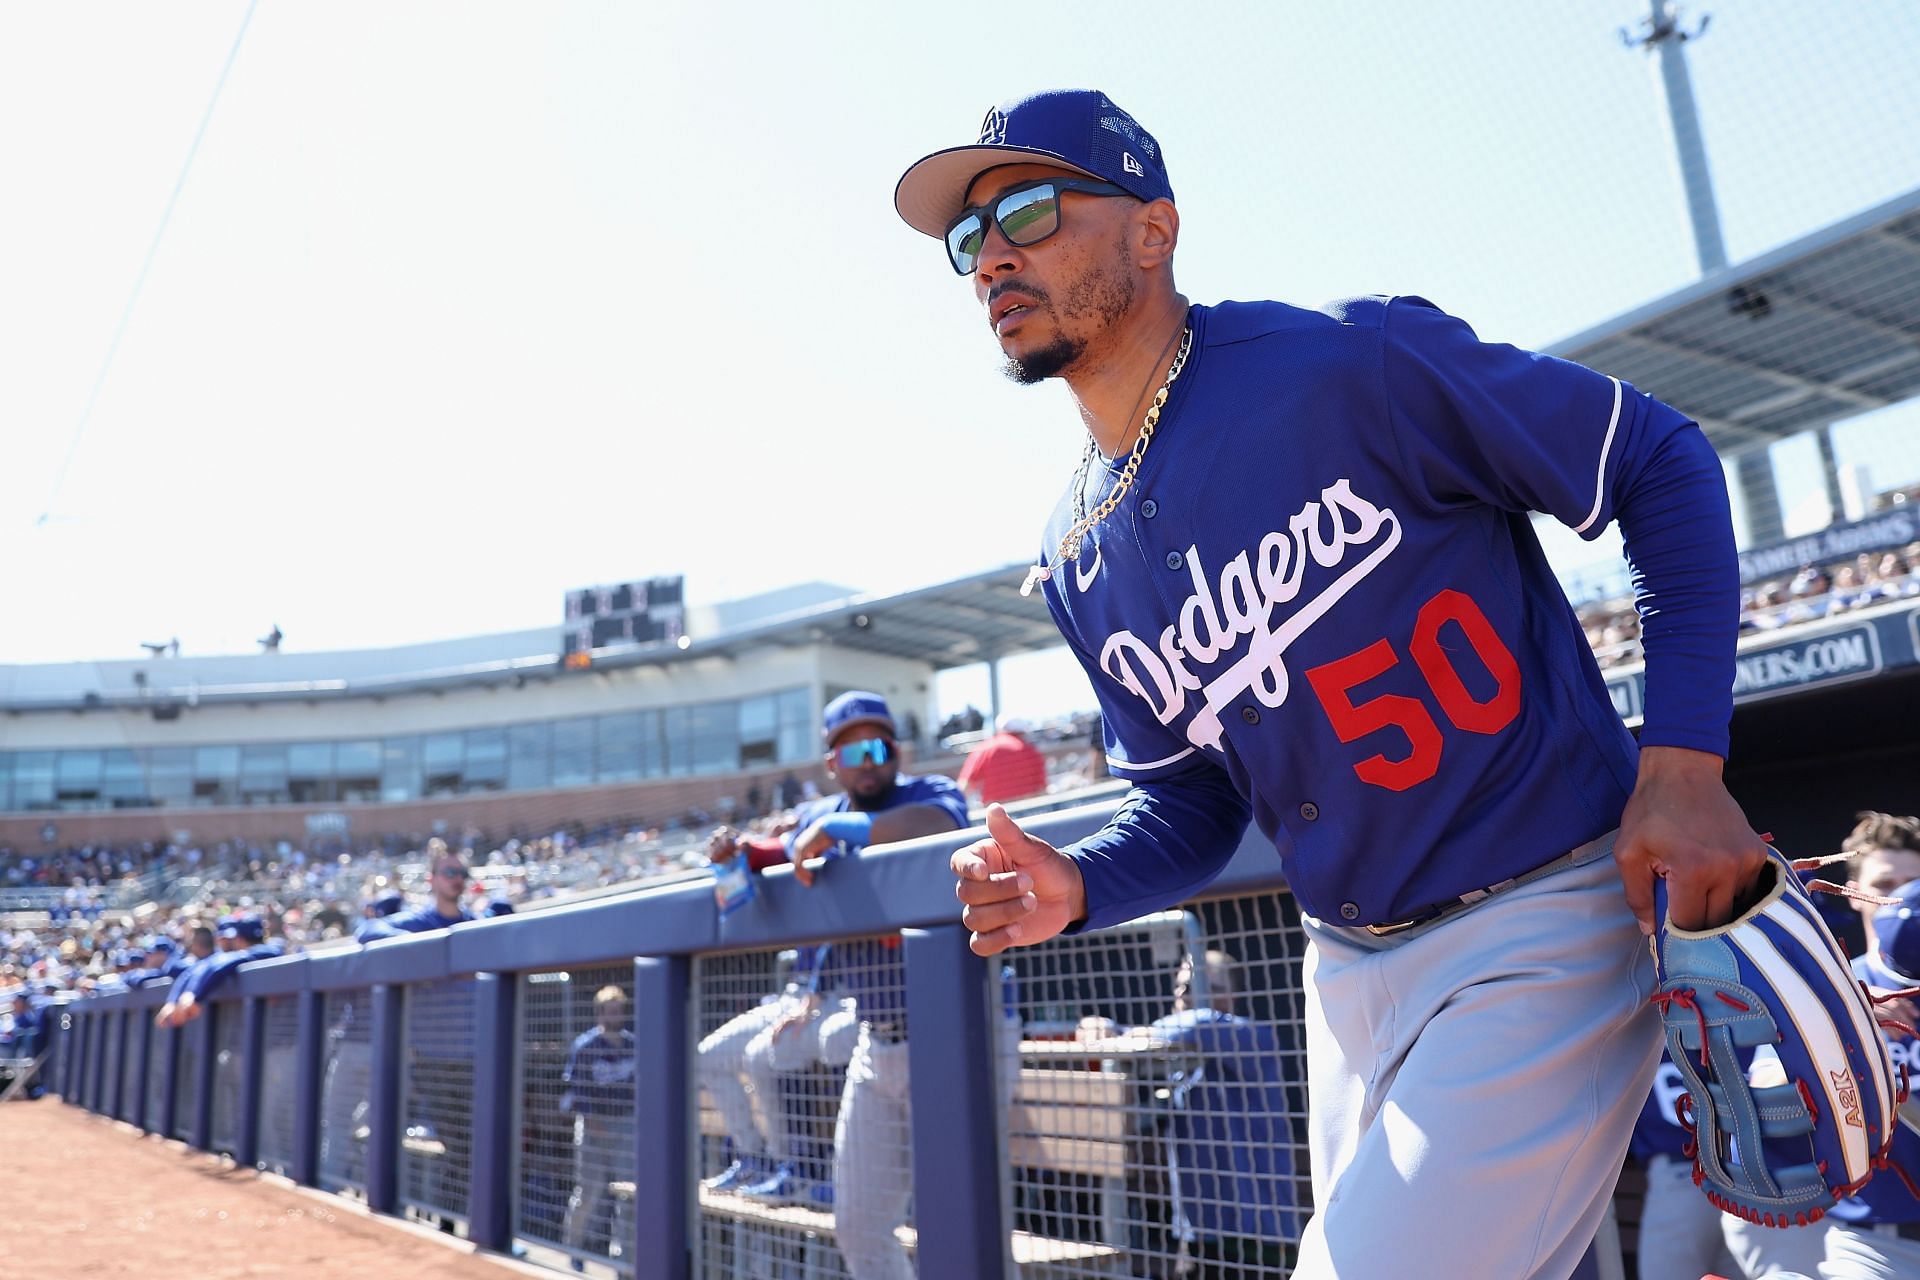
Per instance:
{"type": "Point", "coordinates": [88, 1197]}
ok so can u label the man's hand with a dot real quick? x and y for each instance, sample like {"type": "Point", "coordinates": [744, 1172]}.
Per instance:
{"type": "Point", "coordinates": [164, 1018]}
{"type": "Point", "coordinates": [1681, 824]}
{"type": "Point", "coordinates": [723, 845]}
{"type": "Point", "coordinates": [812, 843]}
{"type": "Point", "coordinates": [1017, 890]}
{"type": "Point", "coordinates": [1906, 1012]}
{"type": "Point", "coordinates": [796, 1016]}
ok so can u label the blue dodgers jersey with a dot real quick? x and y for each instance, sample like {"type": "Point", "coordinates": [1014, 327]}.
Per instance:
{"type": "Point", "coordinates": [1887, 1198]}
{"type": "Point", "coordinates": [1657, 1132]}
{"type": "Point", "coordinates": [599, 1074]}
{"type": "Point", "coordinates": [929, 789]}
{"type": "Point", "coordinates": [1325, 584]}
{"type": "Point", "coordinates": [1230, 1136]}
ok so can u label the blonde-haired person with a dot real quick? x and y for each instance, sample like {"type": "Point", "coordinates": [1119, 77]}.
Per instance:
{"type": "Point", "coordinates": [599, 1080]}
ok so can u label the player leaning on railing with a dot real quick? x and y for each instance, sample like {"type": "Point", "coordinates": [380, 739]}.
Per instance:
{"type": "Point", "coordinates": [1296, 563]}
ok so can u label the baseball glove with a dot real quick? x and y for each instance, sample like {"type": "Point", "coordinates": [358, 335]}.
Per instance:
{"type": "Point", "coordinates": [1780, 1147]}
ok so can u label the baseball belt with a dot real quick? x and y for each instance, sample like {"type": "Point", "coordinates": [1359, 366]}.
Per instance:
{"type": "Point", "coordinates": [1473, 897]}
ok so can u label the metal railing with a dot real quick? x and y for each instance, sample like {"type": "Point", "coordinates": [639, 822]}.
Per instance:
{"type": "Point", "coordinates": [1064, 1109]}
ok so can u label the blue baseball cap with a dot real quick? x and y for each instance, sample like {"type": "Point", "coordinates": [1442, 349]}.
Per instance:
{"type": "Point", "coordinates": [246, 928]}
{"type": "Point", "coordinates": [165, 946]}
{"type": "Point", "coordinates": [498, 907]}
{"type": "Point", "coordinates": [1896, 931]}
{"type": "Point", "coordinates": [388, 903]}
{"type": "Point", "coordinates": [1077, 129]}
{"type": "Point", "coordinates": [852, 708]}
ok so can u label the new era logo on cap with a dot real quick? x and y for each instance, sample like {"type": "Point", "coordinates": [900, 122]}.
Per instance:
{"type": "Point", "coordinates": [1131, 165]}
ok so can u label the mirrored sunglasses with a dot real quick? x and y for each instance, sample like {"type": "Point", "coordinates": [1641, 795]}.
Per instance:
{"type": "Point", "coordinates": [866, 751]}
{"type": "Point", "coordinates": [1025, 215]}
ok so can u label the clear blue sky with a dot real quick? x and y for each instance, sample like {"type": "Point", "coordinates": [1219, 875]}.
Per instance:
{"type": "Point", "coordinates": [464, 304]}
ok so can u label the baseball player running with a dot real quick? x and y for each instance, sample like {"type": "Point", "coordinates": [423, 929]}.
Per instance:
{"type": "Point", "coordinates": [1297, 565]}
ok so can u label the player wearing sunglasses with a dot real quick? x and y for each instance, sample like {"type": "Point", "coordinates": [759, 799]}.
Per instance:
{"type": "Point", "coordinates": [446, 882]}
{"type": "Point", "coordinates": [1298, 564]}
{"type": "Point", "coordinates": [877, 805]}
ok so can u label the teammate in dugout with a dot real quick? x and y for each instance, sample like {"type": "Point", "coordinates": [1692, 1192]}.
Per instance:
{"type": "Point", "coordinates": [599, 1081]}
{"type": "Point", "coordinates": [1298, 567]}
{"type": "Point", "coordinates": [448, 877]}
{"type": "Point", "coordinates": [879, 805]}
{"type": "Point", "coordinates": [1226, 1134]}
{"type": "Point", "coordinates": [1875, 1235]}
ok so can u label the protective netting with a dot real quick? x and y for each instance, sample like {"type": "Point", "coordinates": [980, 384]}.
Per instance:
{"type": "Point", "coordinates": [436, 1099]}
{"type": "Point", "coordinates": [346, 1078]}
{"type": "Point", "coordinates": [1157, 1125]}
{"type": "Point", "coordinates": [806, 1145]}
{"type": "Point", "coordinates": [279, 1079]}
{"type": "Point", "coordinates": [576, 1159]}
{"type": "Point", "coordinates": [229, 1068]}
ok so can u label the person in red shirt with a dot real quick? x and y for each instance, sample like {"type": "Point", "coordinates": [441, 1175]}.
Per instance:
{"type": "Point", "coordinates": [1005, 767]}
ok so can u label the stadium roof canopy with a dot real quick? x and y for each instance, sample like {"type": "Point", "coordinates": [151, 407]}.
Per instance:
{"type": "Point", "coordinates": [968, 620]}
{"type": "Point", "coordinates": [1823, 328]}
{"type": "Point", "coordinates": [952, 624]}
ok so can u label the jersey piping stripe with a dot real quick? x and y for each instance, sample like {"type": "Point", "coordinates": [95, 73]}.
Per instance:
{"type": "Point", "coordinates": [1606, 447]}
{"type": "Point", "coordinates": [1115, 762]}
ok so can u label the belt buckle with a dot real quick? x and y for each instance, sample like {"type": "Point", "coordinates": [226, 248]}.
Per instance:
{"type": "Point", "coordinates": [1440, 910]}
{"type": "Point", "coordinates": [1399, 926]}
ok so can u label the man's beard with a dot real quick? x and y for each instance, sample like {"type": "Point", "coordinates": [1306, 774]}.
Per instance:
{"type": "Point", "coordinates": [1048, 362]}
{"type": "Point", "coordinates": [1107, 295]}
{"type": "Point", "coordinates": [870, 799]}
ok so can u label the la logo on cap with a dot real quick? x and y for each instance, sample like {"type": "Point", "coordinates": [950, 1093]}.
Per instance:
{"type": "Point", "coordinates": [993, 130]}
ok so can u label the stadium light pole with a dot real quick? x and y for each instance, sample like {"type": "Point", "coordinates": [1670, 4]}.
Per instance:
{"type": "Point", "coordinates": [1662, 35]}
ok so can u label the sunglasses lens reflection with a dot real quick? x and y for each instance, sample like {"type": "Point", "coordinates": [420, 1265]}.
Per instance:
{"type": "Point", "coordinates": [871, 751]}
{"type": "Point", "coordinates": [1029, 216]}
{"type": "Point", "coordinates": [964, 241]}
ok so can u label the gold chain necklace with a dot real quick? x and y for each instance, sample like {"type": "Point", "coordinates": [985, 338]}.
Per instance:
{"type": "Point", "coordinates": [1070, 545]}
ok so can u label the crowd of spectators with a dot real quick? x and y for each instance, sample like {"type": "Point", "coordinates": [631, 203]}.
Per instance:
{"type": "Point", "coordinates": [1812, 593]}
{"type": "Point", "coordinates": [304, 897]}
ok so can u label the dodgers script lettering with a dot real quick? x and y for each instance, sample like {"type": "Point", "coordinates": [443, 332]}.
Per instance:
{"type": "Point", "coordinates": [1245, 600]}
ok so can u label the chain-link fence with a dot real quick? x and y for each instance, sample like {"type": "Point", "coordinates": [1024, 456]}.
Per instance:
{"type": "Point", "coordinates": [805, 1148]}
{"type": "Point", "coordinates": [575, 1160]}
{"type": "Point", "coordinates": [186, 1083]}
{"type": "Point", "coordinates": [436, 1100]}
{"type": "Point", "coordinates": [279, 1080]}
{"type": "Point", "coordinates": [1157, 1126]}
{"type": "Point", "coordinates": [346, 1082]}
{"type": "Point", "coordinates": [229, 1071]}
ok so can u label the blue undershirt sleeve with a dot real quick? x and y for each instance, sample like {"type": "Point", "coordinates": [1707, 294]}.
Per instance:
{"type": "Point", "coordinates": [1678, 530]}
{"type": "Point", "coordinates": [1169, 838]}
